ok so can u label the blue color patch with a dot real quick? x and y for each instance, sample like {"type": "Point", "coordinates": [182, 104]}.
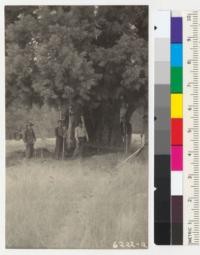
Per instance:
{"type": "Point", "coordinates": [177, 54]}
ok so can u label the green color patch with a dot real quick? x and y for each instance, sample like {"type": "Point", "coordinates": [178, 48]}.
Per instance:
{"type": "Point", "coordinates": [176, 80]}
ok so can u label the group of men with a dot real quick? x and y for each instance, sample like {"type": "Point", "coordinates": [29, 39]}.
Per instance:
{"type": "Point", "coordinates": [61, 134]}
{"type": "Point", "coordinates": [80, 135]}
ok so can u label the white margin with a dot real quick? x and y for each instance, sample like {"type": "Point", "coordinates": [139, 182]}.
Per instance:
{"type": "Point", "coordinates": [153, 5]}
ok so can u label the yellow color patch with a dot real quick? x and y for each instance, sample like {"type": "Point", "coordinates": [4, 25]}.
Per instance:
{"type": "Point", "coordinates": [176, 106]}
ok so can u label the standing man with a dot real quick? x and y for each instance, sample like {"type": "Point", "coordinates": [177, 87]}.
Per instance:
{"type": "Point", "coordinates": [65, 137]}
{"type": "Point", "coordinates": [81, 137]}
{"type": "Point", "coordinates": [29, 139]}
{"type": "Point", "coordinates": [59, 132]}
{"type": "Point", "coordinates": [128, 136]}
{"type": "Point", "coordinates": [123, 117]}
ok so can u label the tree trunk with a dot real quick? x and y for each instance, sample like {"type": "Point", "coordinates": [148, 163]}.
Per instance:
{"type": "Point", "coordinates": [106, 125]}
{"type": "Point", "coordinates": [102, 124]}
{"type": "Point", "coordinates": [70, 131]}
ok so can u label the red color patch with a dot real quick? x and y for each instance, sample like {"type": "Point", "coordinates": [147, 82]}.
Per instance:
{"type": "Point", "coordinates": [176, 131]}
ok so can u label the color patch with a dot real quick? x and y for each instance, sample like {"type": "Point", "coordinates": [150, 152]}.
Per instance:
{"type": "Point", "coordinates": [176, 131]}
{"type": "Point", "coordinates": [177, 220]}
{"type": "Point", "coordinates": [176, 106]}
{"type": "Point", "coordinates": [162, 21]}
{"type": "Point", "coordinates": [176, 79]}
{"type": "Point", "coordinates": [176, 158]}
{"type": "Point", "coordinates": [176, 55]}
{"type": "Point", "coordinates": [162, 52]}
{"type": "Point", "coordinates": [176, 183]}
{"type": "Point", "coordinates": [176, 30]}
{"type": "Point", "coordinates": [164, 69]}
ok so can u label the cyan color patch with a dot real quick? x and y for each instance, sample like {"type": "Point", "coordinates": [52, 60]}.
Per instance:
{"type": "Point", "coordinates": [176, 54]}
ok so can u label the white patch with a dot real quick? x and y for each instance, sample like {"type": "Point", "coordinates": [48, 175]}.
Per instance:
{"type": "Point", "coordinates": [176, 183]}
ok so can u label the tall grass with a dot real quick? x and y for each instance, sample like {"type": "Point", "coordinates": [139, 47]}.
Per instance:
{"type": "Point", "coordinates": [76, 204]}
{"type": "Point", "coordinates": [120, 213]}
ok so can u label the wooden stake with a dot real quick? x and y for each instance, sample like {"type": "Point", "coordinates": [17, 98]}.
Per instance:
{"type": "Point", "coordinates": [63, 152]}
{"type": "Point", "coordinates": [131, 156]}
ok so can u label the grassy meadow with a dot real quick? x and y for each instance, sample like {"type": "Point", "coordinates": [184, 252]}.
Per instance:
{"type": "Point", "coordinates": [82, 203]}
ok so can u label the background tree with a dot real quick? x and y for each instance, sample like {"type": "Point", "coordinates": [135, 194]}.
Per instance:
{"type": "Point", "coordinates": [86, 57]}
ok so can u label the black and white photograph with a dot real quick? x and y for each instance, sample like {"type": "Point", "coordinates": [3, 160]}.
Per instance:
{"type": "Point", "coordinates": [76, 83]}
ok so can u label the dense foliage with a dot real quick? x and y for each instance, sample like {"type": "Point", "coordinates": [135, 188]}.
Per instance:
{"type": "Point", "coordinates": [89, 57]}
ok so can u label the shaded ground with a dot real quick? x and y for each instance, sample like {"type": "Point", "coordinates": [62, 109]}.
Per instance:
{"type": "Point", "coordinates": [85, 203]}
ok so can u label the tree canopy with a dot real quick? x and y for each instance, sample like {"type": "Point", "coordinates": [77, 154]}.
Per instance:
{"type": "Point", "coordinates": [89, 56]}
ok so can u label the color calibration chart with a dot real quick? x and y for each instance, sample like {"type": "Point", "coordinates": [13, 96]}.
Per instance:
{"type": "Point", "coordinates": [177, 127]}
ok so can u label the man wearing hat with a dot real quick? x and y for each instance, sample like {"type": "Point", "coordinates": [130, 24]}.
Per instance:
{"type": "Point", "coordinates": [29, 139]}
{"type": "Point", "coordinates": [59, 133]}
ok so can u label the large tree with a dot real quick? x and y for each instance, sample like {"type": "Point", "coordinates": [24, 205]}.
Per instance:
{"type": "Point", "coordinates": [89, 58]}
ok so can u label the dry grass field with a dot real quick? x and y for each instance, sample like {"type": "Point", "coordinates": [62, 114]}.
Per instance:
{"type": "Point", "coordinates": [86, 203]}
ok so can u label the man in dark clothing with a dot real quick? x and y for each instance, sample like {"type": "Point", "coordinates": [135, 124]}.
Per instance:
{"type": "Point", "coordinates": [59, 133]}
{"type": "Point", "coordinates": [126, 132]}
{"type": "Point", "coordinates": [128, 135]}
{"type": "Point", "coordinates": [123, 117]}
{"type": "Point", "coordinates": [29, 139]}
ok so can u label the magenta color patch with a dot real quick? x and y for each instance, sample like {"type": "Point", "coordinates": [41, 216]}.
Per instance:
{"type": "Point", "coordinates": [176, 158]}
